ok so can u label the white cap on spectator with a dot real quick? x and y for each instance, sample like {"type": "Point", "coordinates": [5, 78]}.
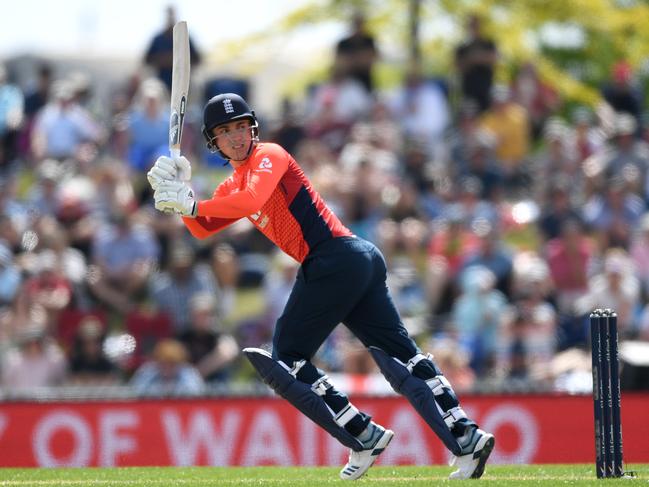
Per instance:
{"type": "Point", "coordinates": [625, 124]}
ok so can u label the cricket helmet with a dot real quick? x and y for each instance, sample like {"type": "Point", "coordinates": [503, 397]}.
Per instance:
{"type": "Point", "coordinates": [224, 108]}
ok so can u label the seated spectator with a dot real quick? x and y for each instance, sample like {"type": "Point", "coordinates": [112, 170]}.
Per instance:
{"type": "Point", "coordinates": [35, 362]}
{"type": "Point", "coordinates": [148, 125]}
{"type": "Point", "coordinates": [448, 247]}
{"type": "Point", "coordinates": [147, 325]}
{"type": "Point", "coordinates": [639, 253]}
{"type": "Point", "coordinates": [334, 106]}
{"type": "Point", "coordinates": [10, 276]}
{"type": "Point", "coordinates": [557, 161]}
{"type": "Point", "coordinates": [225, 267]}
{"type": "Point", "coordinates": [211, 350]}
{"type": "Point", "coordinates": [558, 209]}
{"type": "Point", "coordinates": [494, 254]}
{"type": "Point", "coordinates": [63, 126]}
{"type": "Point", "coordinates": [172, 290]}
{"type": "Point", "coordinates": [11, 119]}
{"type": "Point", "coordinates": [48, 290]}
{"type": "Point", "coordinates": [44, 197]}
{"type": "Point", "coordinates": [614, 214]}
{"type": "Point", "coordinates": [88, 362]}
{"type": "Point", "coordinates": [535, 95]}
{"type": "Point", "coordinates": [168, 373]}
{"type": "Point", "coordinates": [123, 253]}
{"type": "Point", "coordinates": [569, 259]}
{"type": "Point", "coordinates": [508, 122]}
{"type": "Point", "coordinates": [624, 158]}
{"type": "Point", "coordinates": [616, 287]}
{"type": "Point", "coordinates": [479, 164]}
{"type": "Point", "coordinates": [589, 138]}
{"type": "Point", "coordinates": [421, 108]}
{"type": "Point", "coordinates": [476, 317]}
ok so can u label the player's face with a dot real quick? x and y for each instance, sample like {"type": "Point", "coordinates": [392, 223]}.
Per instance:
{"type": "Point", "coordinates": [234, 139]}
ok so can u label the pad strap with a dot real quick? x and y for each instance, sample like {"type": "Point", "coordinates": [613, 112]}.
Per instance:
{"type": "Point", "coordinates": [345, 415]}
{"type": "Point", "coordinates": [321, 386]}
{"type": "Point", "coordinates": [416, 359]}
{"type": "Point", "coordinates": [437, 384]}
{"type": "Point", "coordinates": [453, 415]}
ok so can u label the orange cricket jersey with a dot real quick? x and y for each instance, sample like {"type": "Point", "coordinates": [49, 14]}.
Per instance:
{"type": "Point", "coordinates": [272, 191]}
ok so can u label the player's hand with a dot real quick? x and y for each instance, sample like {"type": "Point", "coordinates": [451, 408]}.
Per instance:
{"type": "Point", "coordinates": [168, 169]}
{"type": "Point", "coordinates": [184, 168]}
{"type": "Point", "coordinates": [175, 196]}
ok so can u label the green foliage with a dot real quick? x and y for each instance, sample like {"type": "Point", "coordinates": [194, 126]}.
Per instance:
{"type": "Point", "coordinates": [611, 30]}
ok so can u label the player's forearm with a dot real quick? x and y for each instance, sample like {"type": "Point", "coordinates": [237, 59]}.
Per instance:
{"type": "Point", "coordinates": [202, 227]}
{"type": "Point", "coordinates": [237, 205]}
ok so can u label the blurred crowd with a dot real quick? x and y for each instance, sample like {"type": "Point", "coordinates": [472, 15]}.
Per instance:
{"type": "Point", "coordinates": [506, 215]}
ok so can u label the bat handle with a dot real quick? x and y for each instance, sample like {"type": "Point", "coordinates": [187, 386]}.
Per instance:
{"type": "Point", "coordinates": [175, 153]}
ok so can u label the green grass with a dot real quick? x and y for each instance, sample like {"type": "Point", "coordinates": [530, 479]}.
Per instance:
{"type": "Point", "coordinates": [507, 475]}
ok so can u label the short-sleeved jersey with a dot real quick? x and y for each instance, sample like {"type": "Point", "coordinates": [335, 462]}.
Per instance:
{"type": "Point", "coordinates": [272, 191]}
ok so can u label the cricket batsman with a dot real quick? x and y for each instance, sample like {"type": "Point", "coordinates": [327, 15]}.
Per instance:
{"type": "Point", "coordinates": [342, 279]}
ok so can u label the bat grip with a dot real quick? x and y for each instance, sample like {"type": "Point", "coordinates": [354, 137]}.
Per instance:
{"type": "Point", "coordinates": [175, 153]}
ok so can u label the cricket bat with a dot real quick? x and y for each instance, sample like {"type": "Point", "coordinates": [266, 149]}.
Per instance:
{"type": "Point", "coordinates": [179, 86]}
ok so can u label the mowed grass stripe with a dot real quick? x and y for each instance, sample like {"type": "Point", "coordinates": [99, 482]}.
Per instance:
{"type": "Point", "coordinates": [507, 475]}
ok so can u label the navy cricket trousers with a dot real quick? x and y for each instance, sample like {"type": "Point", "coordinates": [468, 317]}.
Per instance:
{"type": "Point", "coordinates": [343, 280]}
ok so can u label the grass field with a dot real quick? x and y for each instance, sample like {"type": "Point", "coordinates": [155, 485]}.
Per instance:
{"type": "Point", "coordinates": [507, 475]}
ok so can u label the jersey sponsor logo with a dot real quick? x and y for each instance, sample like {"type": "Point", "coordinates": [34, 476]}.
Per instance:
{"type": "Point", "coordinates": [265, 165]}
{"type": "Point", "coordinates": [227, 106]}
{"type": "Point", "coordinates": [259, 219]}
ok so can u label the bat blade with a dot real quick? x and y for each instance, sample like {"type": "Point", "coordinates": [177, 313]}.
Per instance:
{"type": "Point", "coordinates": [179, 86]}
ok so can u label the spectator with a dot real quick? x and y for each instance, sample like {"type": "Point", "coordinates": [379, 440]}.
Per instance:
{"type": "Point", "coordinates": [148, 125]}
{"type": "Point", "coordinates": [420, 106]}
{"type": "Point", "coordinates": [173, 289]}
{"type": "Point", "coordinates": [11, 118]}
{"type": "Point", "coordinates": [334, 106]}
{"type": "Point", "coordinates": [626, 158]}
{"type": "Point", "coordinates": [535, 95]}
{"type": "Point", "coordinates": [476, 317]}
{"type": "Point", "coordinates": [447, 249]}
{"type": "Point", "coordinates": [211, 350]}
{"type": "Point", "coordinates": [63, 126]}
{"type": "Point", "coordinates": [159, 54]}
{"type": "Point", "coordinates": [493, 254]}
{"type": "Point", "coordinates": [10, 276]}
{"type": "Point", "coordinates": [48, 290]}
{"type": "Point", "coordinates": [123, 253]}
{"type": "Point", "coordinates": [569, 258]}
{"type": "Point", "coordinates": [44, 196]}
{"type": "Point", "coordinates": [509, 124]}
{"type": "Point", "coordinates": [357, 53]}
{"type": "Point", "coordinates": [622, 93]}
{"type": "Point", "coordinates": [639, 253]}
{"type": "Point", "coordinates": [557, 162]}
{"type": "Point", "coordinates": [589, 139]}
{"type": "Point", "coordinates": [614, 214]}
{"type": "Point", "coordinates": [89, 364]}
{"type": "Point", "coordinates": [168, 373]}
{"type": "Point", "coordinates": [475, 60]}
{"type": "Point", "coordinates": [37, 97]}
{"type": "Point", "coordinates": [615, 287]}
{"type": "Point", "coordinates": [480, 166]}
{"type": "Point", "coordinates": [35, 362]}
{"type": "Point", "coordinates": [557, 210]}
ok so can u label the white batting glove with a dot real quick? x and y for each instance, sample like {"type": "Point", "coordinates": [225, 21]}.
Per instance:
{"type": "Point", "coordinates": [177, 197]}
{"type": "Point", "coordinates": [168, 169]}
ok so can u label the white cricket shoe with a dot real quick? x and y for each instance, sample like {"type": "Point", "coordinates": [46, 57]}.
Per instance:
{"type": "Point", "coordinates": [360, 461]}
{"type": "Point", "coordinates": [471, 464]}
